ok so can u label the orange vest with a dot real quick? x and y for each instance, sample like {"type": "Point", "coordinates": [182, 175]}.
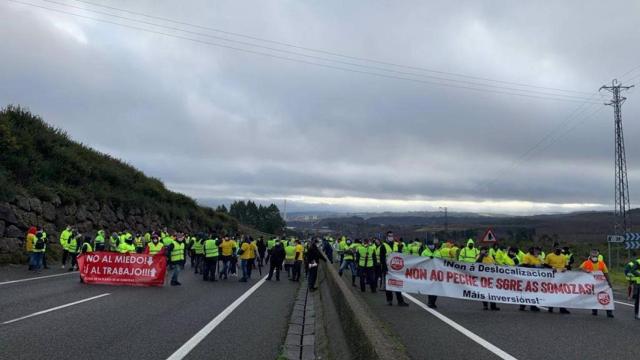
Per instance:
{"type": "Point", "coordinates": [588, 265]}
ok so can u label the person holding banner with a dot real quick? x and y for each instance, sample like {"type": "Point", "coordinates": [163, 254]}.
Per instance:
{"type": "Point", "coordinates": [386, 250]}
{"type": "Point", "coordinates": [469, 253]}
{"type": "Point", "coordinates": [594, 263]}
{"type": "Point", "coordinates": [531, 259]}
{"type": "Point", "coordinates": [432, 252]}
{"type": "Point", "coordinates": [154, 246]}
{"type": "Point", "coordinates": [486, 258]}
{"type": "Point", "coordinates": [558, 262]}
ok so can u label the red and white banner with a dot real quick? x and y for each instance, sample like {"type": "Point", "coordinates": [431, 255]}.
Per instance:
{"type": "Point", "coordinates": [500, 284]}
{"type": "Point", "coordinates": [122, 269]}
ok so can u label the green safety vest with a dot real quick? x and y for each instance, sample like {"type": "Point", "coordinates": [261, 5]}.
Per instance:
{"type": "Point", "coordinates": [271, 243]}
{"type": "Point", "coordinates": [155, 248]}
{"type": "Point", "coordinates": [100, 238]}
{"type": "Point", "coordinates": [468, 255]}
{"type": "Point", "coordinates": [290, 252]}
{"type": "Point", "coordinates": [125, 248]}
{"type": "Point", "coordinates": [210, 248]}
{"type": "Point", "coordinates": [628, 271]}
{"type": "Point", "coordinates": [428, 253]}
{"type": "Point", "coordinates": [366, 255]}
{"type": "Point", "coordinates": [86, 248]}
{"type": "Point", "coordinates": [166, 240]}
{"type": "Point", "coordinates": [138, 241]}
{"type": "Point", "coordinates": [72, 246]}
{"type": "Point", "coordinates": [348, 255]}
{"type": "Point", "coordinates": [177, 253]}
{"type": "Point", "coordinates": [64, 238]}
{"type": "Point", "coordinates": [198, 247]}
{"type": "Point", "coordinates": [35, 240]}
{"type": "Point", "coordinates": [414, 248]}
{"type": "Point", "coordinates": [406, 248]}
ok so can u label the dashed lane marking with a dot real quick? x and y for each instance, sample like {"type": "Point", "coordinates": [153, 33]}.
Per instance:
{"type": "Point", "coordinates": [55, 308]}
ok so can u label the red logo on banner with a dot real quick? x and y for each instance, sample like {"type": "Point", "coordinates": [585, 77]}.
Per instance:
{"type": "Point", "coordinates": [603, 298]}
{"type": "Point", "coordinates": [395, 282]}
{"type": "Point", "coordinates": [122, 269]}
{"type": "Point", "coordinates": [397, 263]}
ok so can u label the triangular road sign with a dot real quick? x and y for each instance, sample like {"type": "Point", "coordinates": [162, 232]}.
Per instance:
{"type": "Point", "coordinates": [488, 236]}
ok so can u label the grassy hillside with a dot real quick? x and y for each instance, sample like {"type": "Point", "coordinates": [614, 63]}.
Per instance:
{"type": "Point", "coordinates": [43, 162]}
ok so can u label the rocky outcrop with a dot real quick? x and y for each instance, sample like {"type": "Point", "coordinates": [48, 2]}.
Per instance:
{"type": "Point", "coordinates": [22, 212]}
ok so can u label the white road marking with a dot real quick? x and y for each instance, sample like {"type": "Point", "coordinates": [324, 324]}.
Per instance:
{"type": "Point", "coordinates": [482, 342]}
{"type": "Point", "coordinates": [55, 308]}
{"type": "Point", "coordinates": [185, 349]}
{"type": "Point", "coordinates": [37, 278]}
{"type": "Point", "coordinates": [623, 303]}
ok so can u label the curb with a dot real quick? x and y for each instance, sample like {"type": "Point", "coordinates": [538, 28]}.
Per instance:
{"type": "Point", "coordinates": [300, 343]}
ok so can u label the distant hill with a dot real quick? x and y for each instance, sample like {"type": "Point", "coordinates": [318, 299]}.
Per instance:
{"type": "Point", "coordinates": [575, 228]}
{"type": "Point", "coordinates": [49, 180]}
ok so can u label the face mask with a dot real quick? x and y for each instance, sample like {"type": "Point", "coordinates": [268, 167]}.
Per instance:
{"type": "Point", "coordinates": [470, 246]}
{"type": "Point", "coordinates": [389, 238]}
{"type": "Point", "coordinates": [594, 259]}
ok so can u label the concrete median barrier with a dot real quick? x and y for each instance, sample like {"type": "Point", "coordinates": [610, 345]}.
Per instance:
{"type": "Point", "coordinates": [362, 329]}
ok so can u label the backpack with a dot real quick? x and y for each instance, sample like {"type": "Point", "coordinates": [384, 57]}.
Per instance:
{"type": "Point", "coordinates": [39, 245]}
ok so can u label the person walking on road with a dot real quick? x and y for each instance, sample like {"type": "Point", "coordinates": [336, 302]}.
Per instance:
{"type": "Point", "coordinates": [297, 261]}
{"type": "Point", "coordinates": [211, 252]}
{"type": "Point", "coordinates": [198, 253]}
{"type": "Point", "coordinates": [28, 244]}
{"type": "Point", "coordinates": [247, 254]}
{"type": "Point", "coordinates": [313, 258]}
{"type": "Point", "coordinates": [73, 247]}
{"type": "Point", "coordinates": [366, 260]}
{"type": "Point", "coordinates": [262, 249]}
{"type": "Point", "coordinates": [632, 272]}
{"type": "Point", "coordinates": [347, 261]}
{"type": "Point", "coordinates": [558, 262]}
{"type": "Point", "coordinates": [65, 236]}
{"type": "Point", "coordinates": [275, 263]}
{"type": "Point", "coordinates": [594, 263]}
{"type": "Point", "coordinates": [290, 258]}
{"type": "Point", "coordinates": [228, 249]}
{"type": "Point", "coordinates": [37, 248]}
{"type": "Point", "coordinates": [177, 252]}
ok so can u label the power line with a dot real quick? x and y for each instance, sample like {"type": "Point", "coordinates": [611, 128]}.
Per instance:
{"type": "Point", "coordinates": [404, 73]}
{"type": "Point", "coordinates": [297, 60]}
{"type": "Point", "coordinates": [322, 51]}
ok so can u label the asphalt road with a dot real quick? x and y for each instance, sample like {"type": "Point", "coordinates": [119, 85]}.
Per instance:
{"type": "Point", "coordinates": [139, 322]}
{"type": "Point", "coordinates": [521, 335]}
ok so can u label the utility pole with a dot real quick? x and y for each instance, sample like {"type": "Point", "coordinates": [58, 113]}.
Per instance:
{"type": "Point", "coordinates": [285, 210]}
{"type": "Point", "coordinates": [446, 219]}
{"type": "Point", "coordinates": [622, 207]}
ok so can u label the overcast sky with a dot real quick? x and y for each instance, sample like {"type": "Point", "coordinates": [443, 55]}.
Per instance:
{"type": "Point", "coordinates": [220, 123]}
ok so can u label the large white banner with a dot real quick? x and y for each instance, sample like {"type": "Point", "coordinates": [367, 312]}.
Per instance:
{"type": "Point", "coordinates": [500, 284]}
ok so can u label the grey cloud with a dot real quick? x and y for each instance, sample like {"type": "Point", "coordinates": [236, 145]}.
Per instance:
{"type": "Point", "coordinates": [218, 123]}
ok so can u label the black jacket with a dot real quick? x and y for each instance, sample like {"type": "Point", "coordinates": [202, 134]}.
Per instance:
{"type": "Point", "coordinates": [277, 254]}
{"type": "Point", "coordinates": [314, 255]}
